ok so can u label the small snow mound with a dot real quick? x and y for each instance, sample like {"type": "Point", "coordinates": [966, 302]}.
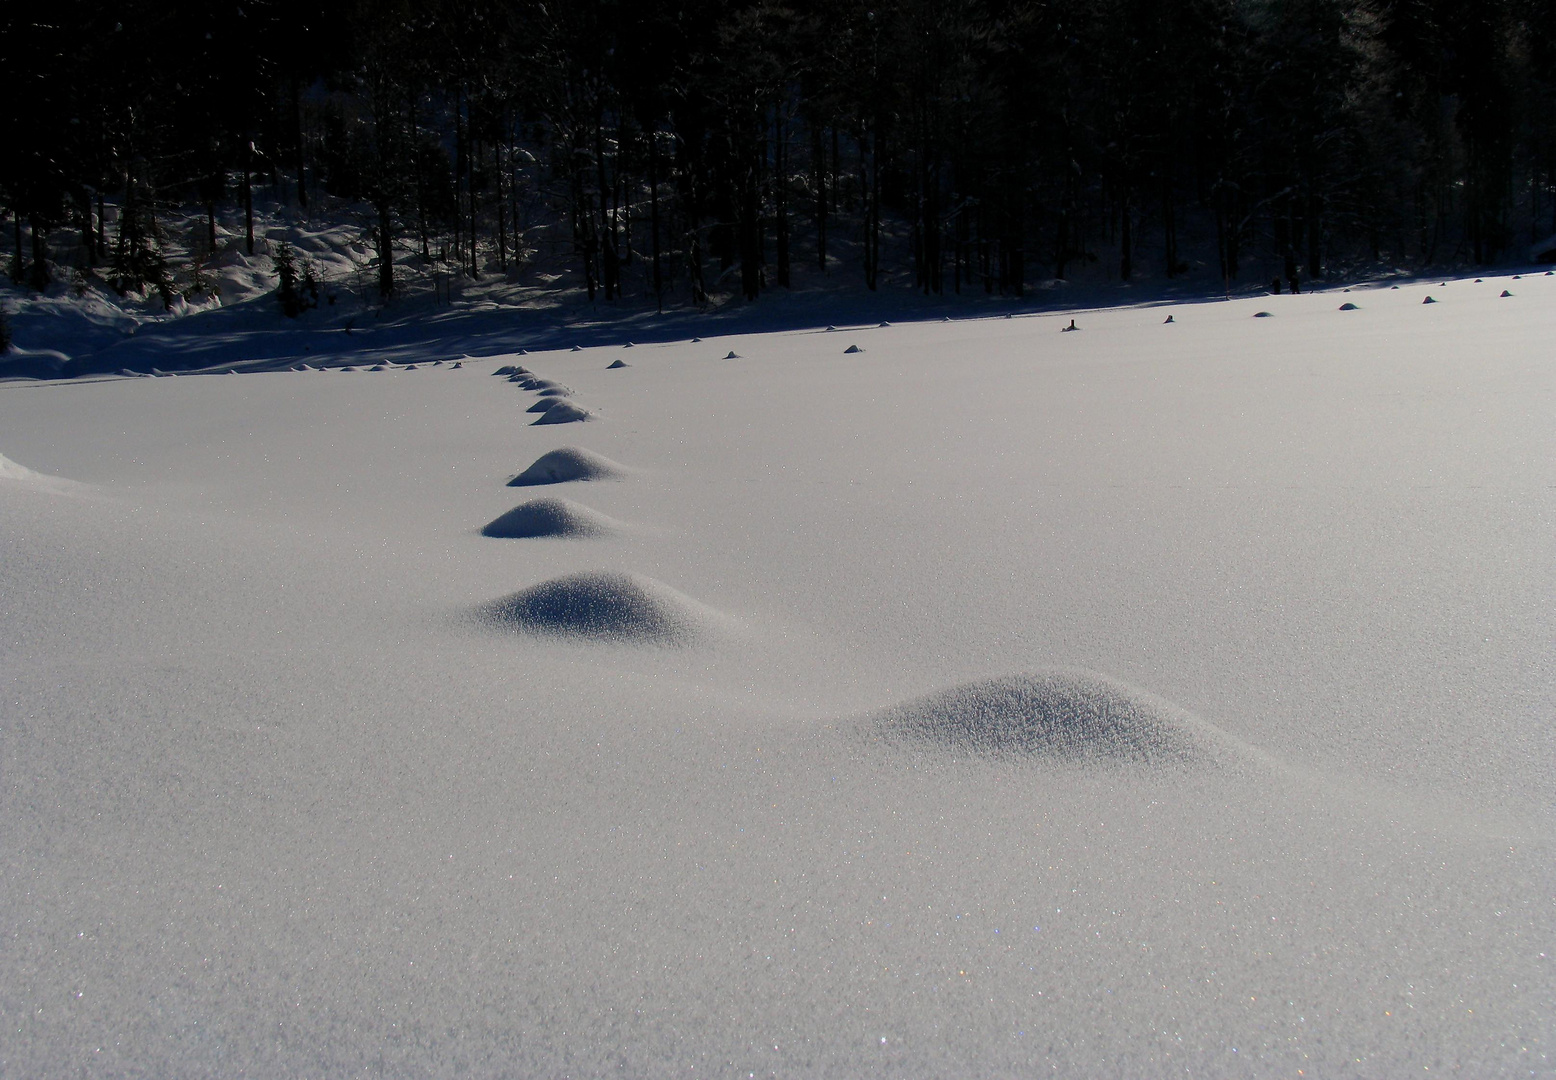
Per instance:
{"type": "Point", "coordinates": [1348, 306]}
{"type": "Point", "coordinates": [546, 384]}
{"type": "Point", "coordinates": [577, 348]}
{"type": "Point", "coordinates": [506, 369]}
{"type": "Point", "coordinates": [614, 364]}
{"type": "Point", "coordinates": [1263, 314]}
{"type": "Point", "coordinates": [1506, 293]}
{"type": "Point", "coordinates": [1061, 715]}
{"type": "Point", "coordinates": [603, 606]}
{"type": "Point", "coordinates": [549, 517]}
{"type": "Point", "coordinates": [852, 349]}
{"type": "Point", "coordinates": [696, 340]}
{"type": "Point", "coordinates": [885, 324]}
{"type": "Point", "coordinates": [1169, 319]}
{"type": "Point", "coordinates": [21, 476]}
{"type": "Point", "coordinates": [628, 345]}
{"type": "Point", "coordinates": [456, 366]}
{"type": "Point", "coordinates": [376, 367]}
{"type": "Point", "coordinates": [565, 464]}
{"type": "Point", "coordinates": [1428, 300]}
{"type": "Point", "coordinates": [564, 412]}
{"type": "Point", "coordinates": [542, 405]}
{"type": "Point", "coordinates": [732, 355]}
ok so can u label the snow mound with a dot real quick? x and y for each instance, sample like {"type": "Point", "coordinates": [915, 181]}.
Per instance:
{"type": "Point", "coordinates": [603, 606]}
{"type": "Point", "coordinates": [565, 464]}
{"type": "Point", "coordinates": [1071, 716]}
{"type": "Point", "coordinates": [1506, 294]}
{"type": "Point", "coordinates": [546, 384]}
{"type": "Point", "coordinates": [563, 412]}
{"type": "Point", "coordinates": [1348, 306]}
{"type": "Point", "coordinates": [506, 369]}
{"type": "Point", "coordinates": [549, 517]}
{"type": "Point", "coordinates": [20, 476]}
{"type": "Point", "coordinates": [852, 349]}
{"type": "Point", "coordinates": [616, 364]}
{"type": "Point", "coordinates": [1263, 314]}
{"type": "Point", "coordinates": [1428, 300]}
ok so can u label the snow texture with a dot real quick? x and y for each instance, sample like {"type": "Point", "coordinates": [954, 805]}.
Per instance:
{"type": "Point", "coordinates": [1145, 702]}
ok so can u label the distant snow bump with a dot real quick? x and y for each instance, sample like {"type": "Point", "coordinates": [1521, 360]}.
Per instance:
{"type": "Point", "coordinates": [1062, 715]}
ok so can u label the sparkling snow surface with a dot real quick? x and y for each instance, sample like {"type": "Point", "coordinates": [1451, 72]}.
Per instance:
{"type": "Point", "coordinates": [1144, 701]}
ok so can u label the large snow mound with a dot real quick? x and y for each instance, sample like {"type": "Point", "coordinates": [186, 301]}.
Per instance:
{"type": "Point", "coordinates": [565, 464]}
{"type": "Point", "coordinates": [1063, 715]}
{"type": "Point", "coordinates": [603, 606]}
{"type": "Point", "coordinates": [549, 517]}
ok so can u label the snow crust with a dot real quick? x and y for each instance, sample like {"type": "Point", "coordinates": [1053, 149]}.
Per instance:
{"type": "Point", "coordinates": [1156, 700]}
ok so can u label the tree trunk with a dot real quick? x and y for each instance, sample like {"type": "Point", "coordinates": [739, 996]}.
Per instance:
{"type": "Point", "coordinates": [653, 213]}
{"type": "Point", "coordinates": [781, 193]}
{"type": "Point", "coordinates": [297, 142]}
{"type": "Point", "coordinates": [18, 263]}
{"type": "Point", "coordinates": [39, 278]}
{"type": "Point", "coordinates": [385, 251]}
{"type": "Point", "coordinates": [1126, 265]}
{"type": "Point", "coordinates": [818, 160]}
{"type": "Point", "coordinates": [1315, 269]}
{"type": "Point", "coordinates": [248, 195]}
{"type": "Point", "coordinates": [502, 207]}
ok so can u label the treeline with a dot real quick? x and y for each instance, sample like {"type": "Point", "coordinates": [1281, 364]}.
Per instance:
{"type": "Point", "coordinates": [989, 142]}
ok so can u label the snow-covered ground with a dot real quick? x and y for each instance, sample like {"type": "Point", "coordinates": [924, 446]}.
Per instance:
{"type": "Point", "coordinates": [1156, 699]}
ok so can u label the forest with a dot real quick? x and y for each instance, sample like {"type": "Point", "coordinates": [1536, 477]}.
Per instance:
{"type": "Point", "coordinates": [662, 150]}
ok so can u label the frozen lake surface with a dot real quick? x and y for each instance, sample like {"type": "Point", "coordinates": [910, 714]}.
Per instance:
{"type": "Point", "coordinates": [1150, 700]}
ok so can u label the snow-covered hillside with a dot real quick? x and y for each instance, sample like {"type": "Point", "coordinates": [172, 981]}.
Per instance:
{"type": "Point", "coordinates": [1169, 697]}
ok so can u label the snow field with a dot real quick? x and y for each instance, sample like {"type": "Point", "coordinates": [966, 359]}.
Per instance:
{"type": "Point", "coordinates": [1148, 699]}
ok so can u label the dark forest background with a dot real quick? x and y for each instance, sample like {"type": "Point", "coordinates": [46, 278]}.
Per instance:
{"type": "Point", "coordinates": [993, 143]}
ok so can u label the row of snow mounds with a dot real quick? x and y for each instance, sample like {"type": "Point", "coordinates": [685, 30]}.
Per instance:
{"type": "Point", "coordinates": [1061, 716]}
{"type": "Point", "coordinates": [552, 403]}
{"type": "Point", "coordinates": [600, 605]}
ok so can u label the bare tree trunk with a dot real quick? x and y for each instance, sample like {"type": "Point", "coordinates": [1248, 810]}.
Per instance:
{"type": "Point", "coordinates": [781, 193]}
{"type": "Point", "coordinates": [653, 212]}
{"type": "Point", "coordinates": [248, 195]}
{"type": "Point", "coordinates": [297, 142]}
{"type": "Point", "coordinates": [39, 278]}
{"type": "Point", "coordinates": [1126, 265]}
{"type": "Point", "coordinates": [818, 162]}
